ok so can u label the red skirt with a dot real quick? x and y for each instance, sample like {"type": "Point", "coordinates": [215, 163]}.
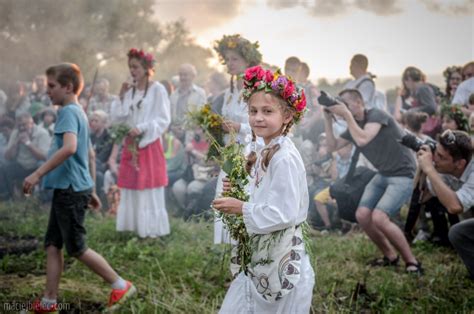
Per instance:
{"type": "Point", "coordinates": [145, 170]}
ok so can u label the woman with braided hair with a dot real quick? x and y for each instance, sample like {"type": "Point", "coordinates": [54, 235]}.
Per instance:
{"type": "Point", "coordinates": [279, 277]}
{"type": "Point", "coordinates": [237, 53]}
{"type": "Point", "coordinates": [144, 106]}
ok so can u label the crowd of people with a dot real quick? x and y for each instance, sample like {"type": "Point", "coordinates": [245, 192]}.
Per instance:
{"type": "Point", "coordinates": [57, 138]}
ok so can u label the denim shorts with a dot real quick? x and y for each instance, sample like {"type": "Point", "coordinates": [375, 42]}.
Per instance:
{"type": "Point", "coordinates": [387, 194]}
{"type": "Point", "coordinates": [66, 221]}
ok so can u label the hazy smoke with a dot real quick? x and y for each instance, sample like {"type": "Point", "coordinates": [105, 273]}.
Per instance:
{"type": "Point", "coordinates": [199, 15]}
{"type": "Point", "coordinates": [324, 8]}
{"type": "Point", "coordinates": [329, 8]}
{"type": "Point", "coordinates": [379, 7]}
{"type": "Point", "coordinates": [463, 7]}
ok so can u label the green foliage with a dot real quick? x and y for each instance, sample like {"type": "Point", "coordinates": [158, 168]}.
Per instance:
{"type": "Point", "coordinates": [185, 273]}
{"type": "Point", "coordinates": [119, 133]}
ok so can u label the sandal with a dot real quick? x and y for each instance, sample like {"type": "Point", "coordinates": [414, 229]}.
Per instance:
{"type": "Point", "coordinates": [384, 262]}
{"type": "Point", "coordinates": [416, 269]}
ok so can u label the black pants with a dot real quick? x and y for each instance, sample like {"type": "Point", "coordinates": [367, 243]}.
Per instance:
{"type": "Point", "coordinates": [439, 216]}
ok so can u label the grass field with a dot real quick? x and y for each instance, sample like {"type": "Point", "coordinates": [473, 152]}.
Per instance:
{"type": "Point", "coordinates": [185, 273]}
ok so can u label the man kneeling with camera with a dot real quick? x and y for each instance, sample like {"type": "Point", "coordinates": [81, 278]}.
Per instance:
{"type": "Point", "coordinates": [450, 173]}
{"type": "Point", "coordinates": [376, 134]}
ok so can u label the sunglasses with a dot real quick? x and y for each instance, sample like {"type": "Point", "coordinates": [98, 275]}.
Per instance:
{"type": "Point", "coordinates": [448, 137]}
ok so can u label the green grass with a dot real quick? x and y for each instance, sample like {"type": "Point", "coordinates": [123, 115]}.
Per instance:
{"type": "Point", "coordinates": [185, 273]}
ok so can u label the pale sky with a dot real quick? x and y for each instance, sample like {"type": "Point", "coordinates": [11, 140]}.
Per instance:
{"type": "Point", "coordinates": [393, 34]}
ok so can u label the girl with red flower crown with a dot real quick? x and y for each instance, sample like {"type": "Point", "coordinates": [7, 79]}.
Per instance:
{"type": "Point", "coordinates": [237, 53]}
{"type": "Point", "coordinates": [144, 106]}
{"type": "Point", "coordinates": [279, 277]}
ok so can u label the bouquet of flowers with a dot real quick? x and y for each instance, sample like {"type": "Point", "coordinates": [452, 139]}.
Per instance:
{"type": "Point", "coordinates": [119, 132]}
{"type": "Point", "coordinates": [211, 123]}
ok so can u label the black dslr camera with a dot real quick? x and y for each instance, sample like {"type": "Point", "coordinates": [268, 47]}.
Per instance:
{"type": "Point", "coordinates": [327, 100]}
{"type": "Point", "coordinates": [414, 143]}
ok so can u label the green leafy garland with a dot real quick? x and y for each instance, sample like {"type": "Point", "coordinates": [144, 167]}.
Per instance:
{"type": "Point", "coordinates": [119, 132]}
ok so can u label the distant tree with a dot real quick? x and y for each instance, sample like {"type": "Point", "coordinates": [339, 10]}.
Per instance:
{"type": "Point", "coordinates": [179, 48]}
{"type": "Point", "coordinates": [36, 34]}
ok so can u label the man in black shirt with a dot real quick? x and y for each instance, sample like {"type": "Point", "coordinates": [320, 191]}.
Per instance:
{"type": "Point", "coordinates": [376, 134]}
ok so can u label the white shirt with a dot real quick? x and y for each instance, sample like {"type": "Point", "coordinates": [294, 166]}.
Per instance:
{"type": "Point", "coordinates": [196, 99]}
{"type": "Point", "coordinates": [235, 109]}
{"type": "Point", "coordinates": [153, 116]}
{"type": "Point", "coordinates": [279, 196]}
{"type": "Point", "coordinates": [464, 90]}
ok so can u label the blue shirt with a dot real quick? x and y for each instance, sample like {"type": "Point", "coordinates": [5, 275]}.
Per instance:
{"type": "Point", "coordinates": [74, 171]}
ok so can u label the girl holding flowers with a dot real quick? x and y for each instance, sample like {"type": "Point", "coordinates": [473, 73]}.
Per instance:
{"type": "Point", "coordinates": [279, 278]}
{"type": "Point", "coordinates": [143, 106]}
{"type": "Point", "coordinates": [237, 53]}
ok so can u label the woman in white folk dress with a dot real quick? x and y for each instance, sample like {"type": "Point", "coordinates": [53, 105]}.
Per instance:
{"type": "Point", "coordinates": [237, 53]}
{"type": "Point", "coordinates": [144, 106]}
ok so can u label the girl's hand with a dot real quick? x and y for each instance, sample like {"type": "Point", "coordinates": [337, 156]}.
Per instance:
{"type": "Point", "coordinates": [226, 185]}
{"type": "Point", "coordinates": [230, 126]}
{"type": "Point", "coordinates": [134, 132]}
{"type": "Point", "coordinates": [125, 87]}
{"type": "Point", "coordinates": [228, 205]}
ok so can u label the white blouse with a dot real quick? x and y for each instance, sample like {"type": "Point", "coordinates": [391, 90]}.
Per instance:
{"type": "Point", "coordinates": [152, 118]}
{"type": "Point", "coordinates": [235, 109]}
{"type": "Point", "coordinates": [278, 197]}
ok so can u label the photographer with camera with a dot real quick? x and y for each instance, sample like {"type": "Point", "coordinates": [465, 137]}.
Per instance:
{"type": "Point", "coordinates": [450, 173]}
{"type": "Point", "coordinates": [376, 135]}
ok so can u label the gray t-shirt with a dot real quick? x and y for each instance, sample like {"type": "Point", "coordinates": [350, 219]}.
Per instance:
{"type": "Point", "coordinates": [384, 151]}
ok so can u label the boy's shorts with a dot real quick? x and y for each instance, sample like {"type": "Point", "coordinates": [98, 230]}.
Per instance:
{"type": "Point", "coordinates": [66, 221]}
{"type": "Point", "coordinates": [323, 196]}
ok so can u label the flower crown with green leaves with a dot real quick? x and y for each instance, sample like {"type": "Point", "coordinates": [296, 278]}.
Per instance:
{"type": "Point", "coordinates": [455, 113]}
{"type": "Point", "coordinates": [147, 58]}
{"type": "Point", "coordinates": [257, 79]}
{"type": "Point", "coordinates": [249, 51]}
{"type": "Point", "coordinates": [450, 70]}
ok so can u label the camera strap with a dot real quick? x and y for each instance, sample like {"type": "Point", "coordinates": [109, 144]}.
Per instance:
{"type": "Point", "coordinates": [355, 157]}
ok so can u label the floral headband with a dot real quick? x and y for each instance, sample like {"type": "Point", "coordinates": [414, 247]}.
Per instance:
{"type": "Point", "coordinates": [249, 51]}
{"type": "Point", "coordinates": [454, 112]}
{"type": "Point", "coordinates": [147, 58]}
{"type": "Point", "coordinates": [257, 79]}
{"type": "Point", "coordinates": [450, 70]}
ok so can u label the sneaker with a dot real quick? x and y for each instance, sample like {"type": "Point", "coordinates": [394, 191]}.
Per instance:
{"type": "Point", "coordinates": [37, 307]}
{"type": "Point", "coordinates": [118, 297]}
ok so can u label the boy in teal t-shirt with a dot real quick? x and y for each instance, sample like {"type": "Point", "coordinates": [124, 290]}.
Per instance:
{"type": "Point", "coordinates": [67, 172]}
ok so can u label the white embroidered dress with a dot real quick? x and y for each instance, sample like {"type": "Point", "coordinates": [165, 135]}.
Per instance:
{"type": "Point", "coordinates": [144, 211]}
{"type": "Point", "coordinates": [278, 200]}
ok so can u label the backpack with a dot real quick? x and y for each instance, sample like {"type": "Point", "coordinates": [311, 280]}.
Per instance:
{"type": "Point", "coordinates": [348, 191]}
{"type": "Point", "coordinates": [379, 100]}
